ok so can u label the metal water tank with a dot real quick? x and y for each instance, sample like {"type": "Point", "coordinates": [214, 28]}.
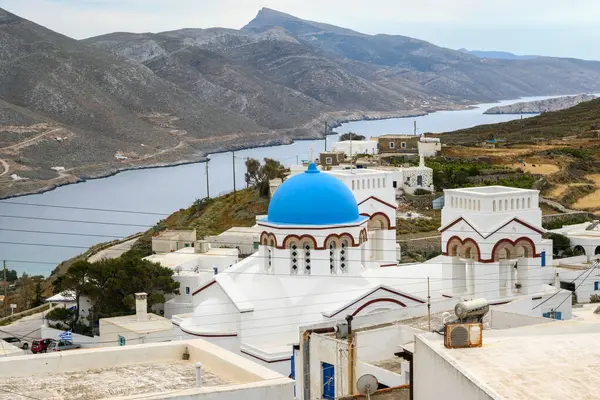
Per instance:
{"type": "Point", "coordinates": [471, 309]}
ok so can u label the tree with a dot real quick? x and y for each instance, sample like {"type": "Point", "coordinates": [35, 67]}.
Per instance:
{"type": "Point", "coordinates": [561, 245]}
{"type": "Point", "coordinates": [258, 175]}
{"type": "Point", "coordinates": [11, 275]}
{"type": "Point", "coordinates": [77, 281]}
{"type": "Point", "coordinates": [351, 136]}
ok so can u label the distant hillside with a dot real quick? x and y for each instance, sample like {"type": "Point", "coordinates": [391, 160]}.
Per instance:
{"type": "Point", "coordinates": [126, 100]}
{"type": "Point", "coordinates": [572, 121]}
{"type": "Point", "coordinates": [503, 55]}
{"type": "Point", "coordinates": [540, 106]}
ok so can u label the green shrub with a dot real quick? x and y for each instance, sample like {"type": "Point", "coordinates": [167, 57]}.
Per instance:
{"type": "Point", "coordinates": [421, 192]}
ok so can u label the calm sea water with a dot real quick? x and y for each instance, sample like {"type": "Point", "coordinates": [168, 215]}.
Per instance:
{"type": "Point", "coordinates": [42, 237]}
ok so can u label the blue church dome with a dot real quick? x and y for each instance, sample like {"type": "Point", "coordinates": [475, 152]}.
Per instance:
{"type": "Point", "coordinates": [313, 198]}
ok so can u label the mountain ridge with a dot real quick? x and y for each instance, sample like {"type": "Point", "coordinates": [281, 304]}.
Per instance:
{"type": "Point", "coordinates": [128, 100]}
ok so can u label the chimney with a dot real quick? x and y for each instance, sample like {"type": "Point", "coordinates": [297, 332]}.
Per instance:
{"type": "Point", "coordinates": [141, 306]}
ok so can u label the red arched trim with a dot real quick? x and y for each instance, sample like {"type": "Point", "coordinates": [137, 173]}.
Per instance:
{"type": "Point", "coordinates": [463, 242]}
{"type": "Point", "coordinates": [341, 236]}
{"type": "Point", "coordinates": [514, 244]}
{"type": "Point", "coordinates": [385, 300]}
{"type": "Point", "coordinates": [384, 216]}
{"type": "Point", "coordinates": [300, 239]}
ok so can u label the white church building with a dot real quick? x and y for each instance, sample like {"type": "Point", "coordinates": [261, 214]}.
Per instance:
{"type": "Point", "coordinates": [328, 249]}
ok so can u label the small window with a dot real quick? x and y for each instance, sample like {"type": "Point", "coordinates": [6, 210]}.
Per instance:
{"type": "Point", "coordinates": [394, 184]}
{"type": "Point", "coordinates": [187, 290]}
{"type": "Point", "coordinates": [122, 341]}
{"type": "Point", "coordinates": [403, 145]}
{"type": "Point", "coordinates": [392, 145]}
{"type": "Point", "coordinates": [328, 160]}
{"type": "Point", "coordinates": [596, 285]}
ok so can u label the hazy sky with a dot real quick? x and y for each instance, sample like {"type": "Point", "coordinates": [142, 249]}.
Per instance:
{"type": "Point", "coordinates": [546, 27]}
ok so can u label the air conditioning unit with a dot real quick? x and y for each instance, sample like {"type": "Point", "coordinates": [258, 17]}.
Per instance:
{"type": "Point", "coordinates": [463, 335]}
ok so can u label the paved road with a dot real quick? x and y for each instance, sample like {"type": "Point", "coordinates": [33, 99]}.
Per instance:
{"type": "Point", "coordinates": [27, 329]}
{"type": "Point", "coordinates": [113, 252]}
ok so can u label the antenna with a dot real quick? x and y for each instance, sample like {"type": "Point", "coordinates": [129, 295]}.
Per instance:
{"type": "Point", "coordinates": [367, 385]}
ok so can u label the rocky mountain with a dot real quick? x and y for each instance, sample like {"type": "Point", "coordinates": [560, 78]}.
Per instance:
{"type": "Point", "coordinates": [540, 106]}
{"type": "Point", "coordinates": [71, 109]}
{"type": "Point", "coordinates": [503, 55]}
{"type": "Point", "coordinates": [440, 70]}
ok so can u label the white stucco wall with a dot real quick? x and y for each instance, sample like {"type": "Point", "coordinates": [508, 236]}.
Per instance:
{"type": "Point", "coordinates": [435, 378]}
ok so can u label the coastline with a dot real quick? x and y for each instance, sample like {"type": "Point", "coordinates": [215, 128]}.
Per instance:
{"type": "Point", "coordinates": [202, 157]}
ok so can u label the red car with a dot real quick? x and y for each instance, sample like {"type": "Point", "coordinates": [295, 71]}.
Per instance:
{"type": "Point", "coordinates": [41, 345]}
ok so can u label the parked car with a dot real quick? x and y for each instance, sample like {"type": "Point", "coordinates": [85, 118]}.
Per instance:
{"type": "Point", "coordinates": [41, 345]}
{"type": "Point", "coordinates": [63, 345]}
{"type": "Point", "coordinates": [17, 342]}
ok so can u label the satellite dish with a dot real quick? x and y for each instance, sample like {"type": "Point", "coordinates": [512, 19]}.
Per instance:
{"type": "Point", "coordinates": [367, 385]}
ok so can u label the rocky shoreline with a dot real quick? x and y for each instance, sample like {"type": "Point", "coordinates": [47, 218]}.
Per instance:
{"type": "Point", "coordinates": [87, 173]}
{"type": "Point", "coordinates": [540, 106]}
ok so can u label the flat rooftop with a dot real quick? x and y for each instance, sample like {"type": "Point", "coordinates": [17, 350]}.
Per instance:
{"type": "Point", "coordinates": [152, 370]}
{"type": "Point", "coordinates": [546, 361]}
{"type": "Point", "coordinates": [125, 380]}
{"type": "Point", "coordinates": [492, 190]}
{"type": "Point", "coordinates": [130, 323]}
{"type": "Point", "coordinates": [398, 136]}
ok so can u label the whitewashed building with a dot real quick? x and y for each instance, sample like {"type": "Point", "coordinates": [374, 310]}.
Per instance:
{"type": "Point", "coordinates": [173, 240]}
{"type": "Point", "coordinates": [429, 147]}
{"type": "Point", "coordinates": [355, 147]}
{"type": "Point", "coordinates": [192, 267]}
{"type": "Point", "coordinates": [177, 370]}
{"type": "Point", "coordinates": [584, 237]}
{"type": "Point", "coordinates": [533, 359]}
{"type": "Point", "coordinates": [328, 249]}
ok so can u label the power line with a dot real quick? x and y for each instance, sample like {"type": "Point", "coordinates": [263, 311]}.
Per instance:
{"type": "Point", "coordinates": [83, 208]}
{"type": "Point", "coordinates": [75, 221]}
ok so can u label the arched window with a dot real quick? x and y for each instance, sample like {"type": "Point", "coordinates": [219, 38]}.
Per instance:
{"type": "Point", "coordinates": [294, 257]}
{"type": "Point", "coordinates": [344, 255]}
{"type": "Point", "coordinates": [307, 250]}
{"type": "Point", "coordinates": [332, 260]}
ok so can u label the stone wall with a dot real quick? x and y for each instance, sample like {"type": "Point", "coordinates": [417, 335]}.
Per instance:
{"type": "Point", "coordinates": [420, 202]}
{"type": "Point", "coordinates": [566, 216]}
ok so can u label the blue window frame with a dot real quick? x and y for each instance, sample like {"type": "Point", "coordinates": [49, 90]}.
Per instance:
{"type": "Point", "coordinates": [553, 315]}
{"type": "Point", "coordinates": [596, 285]}
{"type": "Point", "coordinates": [328, 373]}
{"type": "Point", "coordinates": [187, 290]}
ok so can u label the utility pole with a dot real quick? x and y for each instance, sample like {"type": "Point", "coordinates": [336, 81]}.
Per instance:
{"type": "Point", "coordinates": [325, 136]}
{"type": "Point", "coordinates": [207, 185]}
{"type": "Point", "coordinates": [415, 127]}
{"type": "Point", "coordinates": [5, 290]}
{"type": "Point", "coordinates": [297, 162]}
{"type": "Point", "coordinates": [428, 306]}
{"type": "Point", "coordinates": [234, 192]}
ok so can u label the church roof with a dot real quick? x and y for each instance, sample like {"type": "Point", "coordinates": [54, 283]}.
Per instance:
{"type": "Point", "coordinates": [313, 198]}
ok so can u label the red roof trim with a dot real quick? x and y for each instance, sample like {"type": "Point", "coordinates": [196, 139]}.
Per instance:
{"type": "Point", "coordinates": [373, 291]}
{"type": "Point", "coordinates": [204, 287]}
{"type": "Point", "coordinates": [533, 228]}
{"type": "Point", "coordinates": [386, 300]}
{"type": "Point", "coordinates": [379, 200]}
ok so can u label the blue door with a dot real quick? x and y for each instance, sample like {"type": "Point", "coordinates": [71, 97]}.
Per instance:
{"type": "Point", "coordinates": [419, 180]}
{"type": "Point", "coordinates": [544, 258]}
{"type": "Point", "coordinates": [553, 315]}
{"type": "Point", "coordinates": [328, 373]}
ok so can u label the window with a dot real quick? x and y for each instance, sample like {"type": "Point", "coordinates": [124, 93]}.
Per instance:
{"type": "Point", "coordinates": [494, 205]}
{"type": "Point", "coordinates": [353, 184]}
{"type": "Point", "coordinates": [122, 340]}
{"type": "Point", "coordinates": [392, 145]}
{"type": "Point", "coordinates": [332, 257]}
{"type": "Point", "coordinates": [383, 182]}
{"type": "Point", "coordinates": [328, 160]}
{"type": "Point", "coordinates": [378, 182]}
{"type": "Point", "coordinates": [596, 285]}
{"type": "Point", "coordinates": [328, 377]}
{"type": "Point", "coordinates": [294, 258]}
{"type": "Point", "coordinates": [529, 202]}
{"type": "Point", "coordinates": [343, 255]}
{"type": "Point", "coordinates": [403, 145]}
{"type": "Point", "coordinates": [394, 184]}
{"type": "Point", "coordinates": [187, 290]}
{"type": "Point", "coordinates": [419, 180]}
{"type": "Point", "coordinates": [307, 258]}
